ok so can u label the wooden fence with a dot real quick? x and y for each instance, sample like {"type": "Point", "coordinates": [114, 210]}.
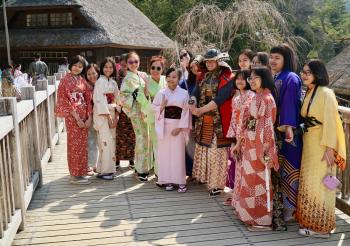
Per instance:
{"type": "Point", "coordinates": [29, 132]}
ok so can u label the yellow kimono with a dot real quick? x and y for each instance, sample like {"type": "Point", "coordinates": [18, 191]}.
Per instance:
{"type": "Point", "coordinates": [316, 203]}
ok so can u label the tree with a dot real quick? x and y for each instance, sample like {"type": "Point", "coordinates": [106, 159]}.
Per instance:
{"type": "Point", "coordinates": [243, 23]}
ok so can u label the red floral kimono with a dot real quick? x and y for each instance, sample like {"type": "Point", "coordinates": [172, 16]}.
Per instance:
{"type": "Point", "coordinates": [259, 155]}
{"type": "Point", "coordinates": [74, 94]}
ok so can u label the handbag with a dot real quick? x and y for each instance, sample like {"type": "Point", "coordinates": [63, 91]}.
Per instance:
{"type": "Point", "coordinates": [331, 181]}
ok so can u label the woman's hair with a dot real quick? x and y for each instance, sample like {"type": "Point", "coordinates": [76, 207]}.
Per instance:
{"type": "Point", "coordinates": [131, 54]}
{"type": "Point", "coordinates": [160, 59]}
{"type": "Point", "coordinates": [104, 62]}
{"type": "Point", "coordinates": [267, 81]}
{"type": "Point", "coordinates": [123, 57]}
{"type": "Point", "coordinates": [247, 52]}
{"type": "Point", "coordinates": [76, 59]}
{"type": "Point", "coordinates": [17, 65]}
{"type": "Point", "coordinates": [94, 66]}
{"type": "Point", "coordinates": [319, 71]}
{"type": "Point", "coordinates": [172, 69]}
{"type": "Point", "coordinates": [245, 74]}
{"type": "Point", "coordinates": [289, 56]}
{"type": "Point", "coordinates": [263, 58]}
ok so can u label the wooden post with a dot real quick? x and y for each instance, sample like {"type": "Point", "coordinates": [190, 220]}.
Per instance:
{"type": "Point", "coordinates": [345, 190]}
{"type": "Point", "coordinates": [44, 84]}
{"type": "Point", "coordinates": [52, 81]}
{"type": "Point", "coordinates": [16, 160]}
{"type": "Point", "coordinates": [28, 93]}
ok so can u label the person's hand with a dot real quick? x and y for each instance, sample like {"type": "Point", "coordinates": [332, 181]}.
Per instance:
{"type": "Point", "coordinates": [145, 91]}
{"type": "Point", "coordinates": [328, 156]}
{"type": "Point", "coordinates": [80, 123]}
{"type": "Point", "coordinates": [289, 134]}
{"type": "Point", "coordinates": [176, 131]}
{"type": "Point", "coordinates": [88, 122]}
{"type": "Point", "coordinates": [235, 147]}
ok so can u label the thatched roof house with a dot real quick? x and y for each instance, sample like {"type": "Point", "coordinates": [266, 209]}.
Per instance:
{"type": "Point", "coordinates": [97, 28]}
{"type": "Point", "coordinates": [339, 72]}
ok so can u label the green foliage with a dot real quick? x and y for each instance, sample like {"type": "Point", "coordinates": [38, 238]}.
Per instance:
{"type": "Point", "coordinates": [325, 24]}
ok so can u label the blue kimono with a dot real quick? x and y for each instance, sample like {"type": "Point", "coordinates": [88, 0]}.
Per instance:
{"type": "Point", "coordinates": [288, 102]}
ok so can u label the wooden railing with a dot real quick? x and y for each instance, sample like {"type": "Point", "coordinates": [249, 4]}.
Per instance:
{"type": "Point", "coordinates": [343, 198]}
{"type": "Point", "coordinates": [29, 132]}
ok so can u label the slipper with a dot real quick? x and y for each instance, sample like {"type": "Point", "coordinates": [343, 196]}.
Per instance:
{"type": "Point", "coordinates": [256, 228]}
{"type": "Point", "coordinates": [182, 189]}
{"type": "Point", "coordinates": [309, 233]}
{"type": "Point", "coordinates": [169, 187]}
{"type": "Point", "coordinates": [106, 176]}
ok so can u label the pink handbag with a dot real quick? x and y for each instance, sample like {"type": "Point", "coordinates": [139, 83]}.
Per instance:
{"type": "Point", "coordinates": [330, 181]}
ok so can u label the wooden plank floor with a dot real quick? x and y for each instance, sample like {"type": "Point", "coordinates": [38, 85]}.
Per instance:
{"type": "Point", "coordinates": [126, 212]}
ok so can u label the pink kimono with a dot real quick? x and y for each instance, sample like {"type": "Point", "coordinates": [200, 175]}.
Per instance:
{"type": "Point", "coordinates": [171, 149]}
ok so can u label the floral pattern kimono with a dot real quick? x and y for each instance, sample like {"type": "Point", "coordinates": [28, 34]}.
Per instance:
{"type": "Point", "coordinates": [74, 94]}
{"type": "Point", "coordinates": [106, 101]}
{"type": "Point", "coordinates": [133, 105]}
{"type": "Point", "coordinates": [153, 88]}
{"type": "Point", "coordinates": [259, 155]}
{"type": "Point", "coordinates": [240, 115]}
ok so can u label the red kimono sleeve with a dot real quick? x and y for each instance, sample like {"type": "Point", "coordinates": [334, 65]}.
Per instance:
{"type": "Point", "coordinates": [64, 106]}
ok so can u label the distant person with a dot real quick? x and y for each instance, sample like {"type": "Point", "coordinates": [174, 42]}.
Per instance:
{"type": "Point", "coordinates": [64, 67]}
{"type": "Point", "coordinates": [38, 69]}
{"type": "Point", "coordinates": [117, 63]}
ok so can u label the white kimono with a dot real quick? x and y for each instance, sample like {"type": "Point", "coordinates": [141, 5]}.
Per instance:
{"type": "Point", "coordinates": [104, 90]}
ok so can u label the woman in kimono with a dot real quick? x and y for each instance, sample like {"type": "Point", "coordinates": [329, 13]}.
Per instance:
{"type": "Point", "coordinates": [324, 150]}
{"type": "Point", "coordinates": [125, 145]}
{"type": "Point", "coordinates": [133, 93]}
{"type": "Point", "coordinates": [91, 76]}
{"type": "Point", "coordinates": [240, 114]}
{"type": "Point", "coordinates": [259, 154]}
{"type": "Point", "coordinates": [213, 96]}
{"type": "Point", "coordinates": [155, 82]}
{"type": "Point", "coordinates": [173, 123]}
{"type": "Point", "coordinates": [106, 115]}
{"type": "Point", "coordinates": [73, 104]}
{"type": "Point", "coordinates": [288, 84]}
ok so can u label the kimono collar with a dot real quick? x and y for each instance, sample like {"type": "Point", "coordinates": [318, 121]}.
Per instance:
{"type": "Point", "coordinates": [169, 91]}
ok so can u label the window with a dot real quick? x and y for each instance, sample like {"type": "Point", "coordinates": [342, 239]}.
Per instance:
{"type": "Point", "coordinates": [61, 19]}
{"type": "Point", "coordinates": [36, 20]}
{"type": "Point", "coordinates": [44, 54]}
{"type": "Point", "coordinates": [52, 20]}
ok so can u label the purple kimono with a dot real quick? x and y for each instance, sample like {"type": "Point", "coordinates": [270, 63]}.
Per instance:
{"type": "Point", "coordinates": [288, 104]}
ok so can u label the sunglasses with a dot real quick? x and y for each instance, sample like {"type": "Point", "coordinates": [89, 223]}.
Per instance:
{"type": "Point", "coordinates": [133, 62]}
{"type": "Point", "coordinates": [154, 68]}
{"type": "Point", "coordinates": [183, 55]}
{"type": "Point", "coordinates": [305, 73]}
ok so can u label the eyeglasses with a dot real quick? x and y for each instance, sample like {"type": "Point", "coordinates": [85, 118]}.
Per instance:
{"type": "Point", "coordinates": [133, 62]}
{"type": "Point", "coordinates": [305, 73]}
{"type": "Point", "coordinates": [250, 79]}
{"type": "Point", "coordinates": [154, 68]}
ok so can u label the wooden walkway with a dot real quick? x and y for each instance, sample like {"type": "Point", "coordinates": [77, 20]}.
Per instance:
{"type": "Point", "coordinates": [125, 212]}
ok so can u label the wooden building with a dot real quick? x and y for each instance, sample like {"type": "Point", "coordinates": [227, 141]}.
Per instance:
{"type": "Point", "coordinates": [339, 75]}
{"type": "Point", "coordinates": [64, 28]}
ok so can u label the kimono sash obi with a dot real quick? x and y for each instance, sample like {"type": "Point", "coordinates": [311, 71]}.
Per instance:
{"type": "Point", "coordinates": [172, 112]}
{"type": "Point", "coordinates": [110, 98]}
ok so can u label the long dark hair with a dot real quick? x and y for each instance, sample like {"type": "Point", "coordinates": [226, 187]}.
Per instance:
{"type": "Point", "coordinates": [289, 56]}
{"type": "Point", "coordinates": [319, 71]}
{"type": "Point", "coordinates": [267, 81]}
{"type": "Point", "coordinates": [104, 62]}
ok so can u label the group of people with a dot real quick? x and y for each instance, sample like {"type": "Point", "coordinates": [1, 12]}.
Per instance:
{"type": "Point", "coordinates": [249, 131]}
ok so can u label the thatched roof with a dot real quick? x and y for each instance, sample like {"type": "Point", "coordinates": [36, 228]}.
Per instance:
{"type": "Point", "coordinates": [114, 22]}
{"type": "Point", "coordinates": [339, 72]}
